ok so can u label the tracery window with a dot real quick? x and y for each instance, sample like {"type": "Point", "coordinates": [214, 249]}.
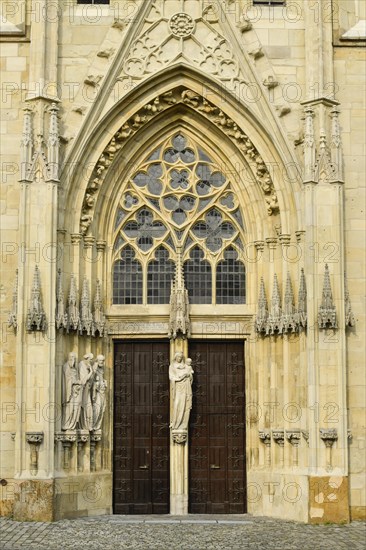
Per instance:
{"type": "Point", "coordinates": [178, 201]}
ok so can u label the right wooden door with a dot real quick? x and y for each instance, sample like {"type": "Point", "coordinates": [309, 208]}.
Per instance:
{"type": "Point", "coordinates": [217, 429]}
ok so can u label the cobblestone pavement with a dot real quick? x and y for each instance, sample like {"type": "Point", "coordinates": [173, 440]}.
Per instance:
{"type": "Point", "coordinates": [173, 533]}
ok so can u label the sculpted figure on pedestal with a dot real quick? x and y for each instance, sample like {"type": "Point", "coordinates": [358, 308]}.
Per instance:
{"type": "Point", "coordinates": [86, 373]}
{"type": "Point", "coordinates": [98, 395]}
{"type": "Point", "coordinates": [181, 377]}
{"type": "Point", "coordinates": [71, 393]}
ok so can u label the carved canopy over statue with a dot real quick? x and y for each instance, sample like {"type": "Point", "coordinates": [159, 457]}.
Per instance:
{"type": "Point", "coordinates": [181, 377]}
{"type": "Point", "coordinates": [83, 393]}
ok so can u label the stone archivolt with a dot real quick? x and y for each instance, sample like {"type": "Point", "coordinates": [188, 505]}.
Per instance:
{"type": "Point", "coordinates": [161, 103]}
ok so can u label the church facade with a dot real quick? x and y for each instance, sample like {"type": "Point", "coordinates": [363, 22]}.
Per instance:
{"type": "Point", "coordinates": [183, 258]}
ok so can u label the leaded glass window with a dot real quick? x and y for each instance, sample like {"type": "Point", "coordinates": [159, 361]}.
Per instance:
{"type": "Point", "coordinates": [198, 277]}
{"type": "Point", "coordinates": [127, 279]}
{"type": "Point", "coordinates": [230, 279]}
{"type": "Point", "coordinates": [160, 274]}
{"type": "Point", "coordinates": [179, 200]}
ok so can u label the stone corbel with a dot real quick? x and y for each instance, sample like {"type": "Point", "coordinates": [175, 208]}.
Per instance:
{"type": "Point", "coordinates": [180, 436]}
{"type": "Point", "coordinates": [82, 437]}
{"type": "Point", "coordinates": [293, 436]}
{"type": "Point", "coordinates": [95, 437]}
{"type": "Point", "coordinates": [34, 439]}
{"type": "Point", "coordinates": [244, 24]}
{"type": "Point", "coordinates": [67, 438]}
{"type": "Point", "coordinates": [328, 436]}
{"type": "Point", "coordinates": [265, 437]}
{"type": "Point", "coordinates": [270, 82]}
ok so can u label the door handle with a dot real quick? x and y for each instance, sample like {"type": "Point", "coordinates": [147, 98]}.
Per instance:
{"type": "Point", "coordinates": [214, 467]}
{"type": "Point", "coordinates": [144, 467]}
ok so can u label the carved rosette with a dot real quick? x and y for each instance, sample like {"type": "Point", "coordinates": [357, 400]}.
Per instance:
{"type": "Point", "coordinates": [181, 25]}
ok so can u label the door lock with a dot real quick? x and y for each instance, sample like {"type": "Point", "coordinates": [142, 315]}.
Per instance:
{"type": "Point", "coordinates": [144, 467]}
{"type": "Point", "coordinates": [214, 467]}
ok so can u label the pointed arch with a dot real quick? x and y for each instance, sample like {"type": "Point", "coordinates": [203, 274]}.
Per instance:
{"type": "Point", "coordinates": [271, 147]}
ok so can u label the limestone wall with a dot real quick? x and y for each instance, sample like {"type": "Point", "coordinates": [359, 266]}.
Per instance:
{"type": "Point", "coordinates": [95, 63]}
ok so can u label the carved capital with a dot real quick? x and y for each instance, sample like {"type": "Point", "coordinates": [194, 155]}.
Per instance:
{"type": "Point", "coordinates": [259, 245]}
{"type": "Point", "coordinates": [89, 241]}
{"type": "Point", "coordinates": [96, 436]}
{"type": "Point", "coordinates": [101, 245]}
{"type": "Point", "coordinates": [76, 238]}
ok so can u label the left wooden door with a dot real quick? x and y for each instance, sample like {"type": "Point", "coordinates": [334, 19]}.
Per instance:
{"type": "Point", "coordinates": [141, 428]}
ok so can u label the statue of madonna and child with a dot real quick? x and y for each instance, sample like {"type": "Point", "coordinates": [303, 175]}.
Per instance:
{"type": "Point", "coordinates": [181, 377]}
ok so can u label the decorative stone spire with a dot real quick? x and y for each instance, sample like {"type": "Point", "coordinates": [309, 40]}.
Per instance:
{"type": "Point", "coordinates": [349, 317]}
{"type": "Point", "coordinates": [262, 314]}
{"type": "Point", "coordinates": [100, 322]}
{"type": "Point", "coordinates": [289, 320]}
{"type": "Point", "coordinates": [13, 314]}
{"type": "Point", "coordinates": [86, 318]}
{"type": "Point", "coordinates": [179, 304]}
{"type": "Point", "coordinates": [274, 317]}
{"type": "Point", "coordinates": [327, 316]}
{"type": "Point", "coordinates": [73, 316]}
{"type": "Point", "coordinates": [302, 306]}
{"type": "Point", "coordinates": [61, 315]}
{"type": "Point", "coordinates": [26, 147]}
{"type": "Point", "coordinates": [53, 144]}
{"type": "Point", "coordinates": [36, 317]}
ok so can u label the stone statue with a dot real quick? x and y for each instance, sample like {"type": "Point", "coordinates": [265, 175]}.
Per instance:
{"type": "Point", "coordinates": [98, 395]}
{"type": "Point", "coordinates": [86, 373]}
{"type": "Point", "coordinates": [181, 377]}
{"type": "Point", "coordinates": [71, 394]}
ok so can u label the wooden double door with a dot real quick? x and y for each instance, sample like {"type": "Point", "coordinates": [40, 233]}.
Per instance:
{"type": "Point", "coordinates": [141, 428]}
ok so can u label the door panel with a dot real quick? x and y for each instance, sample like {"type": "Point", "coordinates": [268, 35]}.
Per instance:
{"type": "Point", "coordinates": [141, 428]}
{"type": "Point", "coordinates": [217, 428]}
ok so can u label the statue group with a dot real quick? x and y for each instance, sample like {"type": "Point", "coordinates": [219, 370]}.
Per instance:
{"type": "Point", "coordinates": [83, 393]}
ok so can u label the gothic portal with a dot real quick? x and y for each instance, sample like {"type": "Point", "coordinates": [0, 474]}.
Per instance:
{"type": "Point", "coordinates": [183, 252]}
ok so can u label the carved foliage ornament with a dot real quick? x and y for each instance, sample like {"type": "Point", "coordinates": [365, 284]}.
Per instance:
{"type": "Point", "coordinates": [146, 114]}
